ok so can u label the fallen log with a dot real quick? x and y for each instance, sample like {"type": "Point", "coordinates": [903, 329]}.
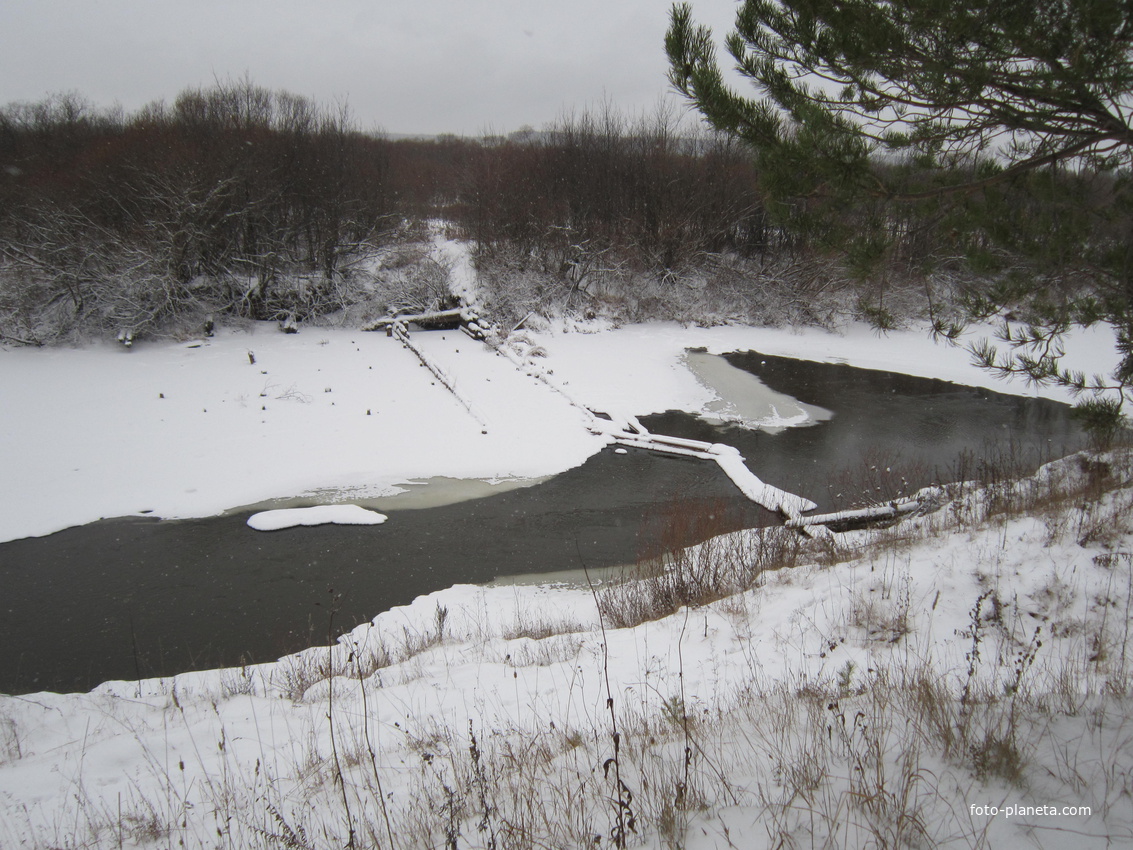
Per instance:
{"type": "Point", "coordinates": [842, 520]}
{"type": "Point", "coordinates": [443, 377]}
{"type": "Point", "coordinates": [730, 461]}
{"type": "Point", "coordinates": [436, 318]}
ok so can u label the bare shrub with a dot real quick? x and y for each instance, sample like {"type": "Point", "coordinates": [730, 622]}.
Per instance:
{"type": "Point", "coordinates": [708, 289]}
{"type": "Point", "coordinates": [413, 278]}
{"type": "Point", "coordinates": [512, 286]}
{"type": "Point", "coordinates": [883, 613]}
{"type": "Point", "coordinates": [296, 674]}
{"type": "Point", "coordinates": [239, 681]}
{"type": "Point", "coordinates": [543, 652]}
{"type": "Point", "coordinates": [719, 567]}
{"type": "Point", "coordinates": [882, 476]}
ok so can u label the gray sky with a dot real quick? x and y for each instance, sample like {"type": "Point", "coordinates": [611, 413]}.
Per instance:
{"type": "Point", "coordinates": [403, 66]}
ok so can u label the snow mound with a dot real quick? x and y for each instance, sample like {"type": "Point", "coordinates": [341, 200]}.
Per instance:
{"type": "Point", "coordinates": [319, 515]}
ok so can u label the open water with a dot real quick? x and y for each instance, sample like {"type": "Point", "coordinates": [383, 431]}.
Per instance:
{"type": "Point", "coordinates": [129, 598]}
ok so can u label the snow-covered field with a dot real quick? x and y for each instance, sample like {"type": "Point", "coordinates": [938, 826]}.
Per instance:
{"type": "Point", "coordinates": [798, 713]}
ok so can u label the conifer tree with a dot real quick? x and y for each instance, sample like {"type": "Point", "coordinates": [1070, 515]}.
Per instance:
{"type": "Point", "coordinates": [1002, 127]}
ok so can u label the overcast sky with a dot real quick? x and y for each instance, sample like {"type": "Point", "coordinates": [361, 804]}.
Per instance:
{"type": "Point", "coordinates": [402, 66]}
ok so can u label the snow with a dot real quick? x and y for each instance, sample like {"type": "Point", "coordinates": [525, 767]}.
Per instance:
{"type": "Point", "coordinates": [648, 378]}
{"type": "Point", "coordinates": [193, 429]}
{"type": "Point", "coordinates": [212, 754]}
{"type": "Point", "coordinates": [745, 400]}
{"type": "Point", "coordinates": [230, 757]}
{"type": "Point", "coordinates": [196, 428]}
{"type": "Point", "coordinates": [317, 515]}
{"type": "Point", "coordinates": [772, 498]}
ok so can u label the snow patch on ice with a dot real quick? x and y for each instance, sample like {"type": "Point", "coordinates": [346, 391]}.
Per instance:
{"type": "Point", "coordinates": [742, 399]}
{"type": "Point", "coordinates": [318, 515]}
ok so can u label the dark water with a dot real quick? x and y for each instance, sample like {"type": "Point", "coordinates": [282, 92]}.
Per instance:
{"type": "Point", "coordinates": [891, 434]}
{"type": "Point", "coordinates": [129, 598]}
{"type": "Point", "coordinates": [125, 598]}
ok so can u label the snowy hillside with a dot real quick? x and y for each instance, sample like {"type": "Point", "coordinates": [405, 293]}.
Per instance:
{"type": "Point", "coordinates": [881, 693]}
{"type": "Point", "coordinates": [885, 690]}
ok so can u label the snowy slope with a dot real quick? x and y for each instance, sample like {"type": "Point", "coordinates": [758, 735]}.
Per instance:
{"type": "Point", "coordinates": [483, 710]}
{"type": "Point", "coordinates": [195, 428]}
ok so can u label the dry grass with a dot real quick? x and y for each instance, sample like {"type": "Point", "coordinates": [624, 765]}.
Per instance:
{"type": "Point", "coordinates": [720, 567]}
{"type": "Point", "coordinates": [888, 746]}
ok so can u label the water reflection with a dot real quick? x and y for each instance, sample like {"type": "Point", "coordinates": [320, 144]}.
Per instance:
{"type": "Point", "coordinates": [890, 433]}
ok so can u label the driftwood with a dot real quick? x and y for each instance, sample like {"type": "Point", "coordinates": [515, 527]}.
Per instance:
{"type": "Point", "coordinates": [446, 380]}
{"type": "Point", "coordinates": [437, 319]}
{"type": "Point", "coordinates": [846, 520]}
{"type": "Point", "coordinates": [730, 461]}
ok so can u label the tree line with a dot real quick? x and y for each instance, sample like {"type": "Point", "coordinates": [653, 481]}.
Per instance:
{"type": "Point", "coordinates": [124, 220]}
{"type": "Point", "coordinates": [239, 200]}
{"type": "Point", "coordinates": [650, 191]}
{"type": "Point", "coordinates": [235, 200]}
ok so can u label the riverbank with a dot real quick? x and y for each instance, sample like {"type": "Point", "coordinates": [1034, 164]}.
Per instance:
{"type": "Point", "coordinates": [194, 428]}
{"type": "Point", "coordinates": [908, 686]}
{"type": "Point", "coordinates": [887, 691]}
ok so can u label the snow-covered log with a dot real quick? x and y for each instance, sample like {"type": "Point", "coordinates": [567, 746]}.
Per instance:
{"type": "Point", "coordinates": [459, 314]}
{"type": "Point", "coordinates": [472, 331]}
{"type": "Point", "coordinates": [772, 498]}
{"type": "Point", "coordinates": [727, 457]}
{"type": "Point", "coordinates": [635, 442]}
{"type": "Point", "coordinates": [876, 512]}
{"type": "Point", "coordinates": [440, 374]}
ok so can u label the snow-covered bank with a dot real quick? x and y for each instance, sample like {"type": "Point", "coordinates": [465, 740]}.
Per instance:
{"type": "Point", "coordinates": [195, 428]}
{"type": "Point", "coordinates": [192, 429]}
{"type": "Point", "coordinates": [889, 693]}
{"type": "Point", "coordinates": [646, 381]}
